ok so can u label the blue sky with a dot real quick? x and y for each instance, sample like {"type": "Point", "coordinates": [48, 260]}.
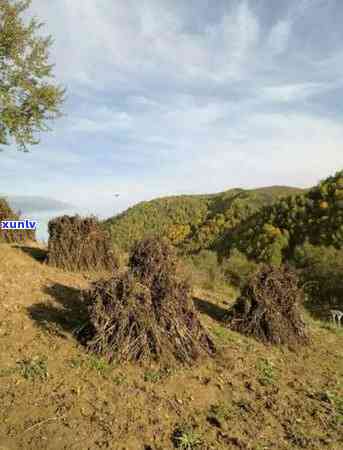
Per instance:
{"type": "Point", "coordinates": [169, 96]}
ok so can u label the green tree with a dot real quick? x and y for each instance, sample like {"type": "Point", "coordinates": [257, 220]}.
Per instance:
{"type": "Point", "coordinates": [28, 95]}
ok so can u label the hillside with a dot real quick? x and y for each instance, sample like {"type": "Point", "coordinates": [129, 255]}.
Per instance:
{"type": "Point", "coordinates": [192, 221]}
{"type": "Point", "coordinates": [273, 232]}
{"type": "Point", "coordinates": [54, 395]}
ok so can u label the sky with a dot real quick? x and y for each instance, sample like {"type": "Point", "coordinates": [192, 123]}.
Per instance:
{"type": "Point", "coordinates": [168, 97]}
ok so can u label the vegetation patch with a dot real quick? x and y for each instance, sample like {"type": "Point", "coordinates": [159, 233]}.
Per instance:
{"type": "Point", "coordinates": [192, 222]}
{"type": "Point", "coordinates": [334, 400]}
{"type": "Point", "coordinates": [272, 233]}
{"type": "Point", "coordinates": [100, 365]}
{"type": "Point", "coordinates": [185, 437]}
{"type": "Point", "coordinates": [321, 272]}
{"type": "Point", "coordinates": [33, 369]}
{"type": "Point", "coordinates": [154, 376]}
{"type": "Point", "coordinates": [266, 372]}
{"type": "Point", "coordinates": [204, 270]}
{"type": "Point", "coordinates": [219, 414]}
{"type": "Point", "coordinates": [224, 335]}
{"type": "Point", "coordinates": [298, 437]}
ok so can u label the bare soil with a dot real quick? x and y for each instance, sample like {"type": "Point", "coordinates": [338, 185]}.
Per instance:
{"type": "Point", "coordinates": [55, 395]}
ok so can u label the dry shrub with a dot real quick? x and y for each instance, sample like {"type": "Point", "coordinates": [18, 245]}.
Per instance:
{"type": "Point", "coordinates": [13, 236]}
{"type": "Point", "coordinates": [269, 307]}
{"type": "Point", "coordinates": [80, 244]}
{"type": "Point", "coordinates": [152, 258]}
{"type": "Point", "coordinates": [147, 314]}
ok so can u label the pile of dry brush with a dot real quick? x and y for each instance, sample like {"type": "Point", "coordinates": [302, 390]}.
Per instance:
{"type": "Point", "coordinates": [146, 313]}
{"type": "Point", "coordinates": [268, 308]}
{"type": "Point", "coordinates": [13, 236]}
{"type": "Point", "coordinates": [80, 244]}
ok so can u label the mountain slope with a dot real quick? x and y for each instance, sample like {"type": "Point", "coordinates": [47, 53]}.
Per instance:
{"type": "Point", "coordinates": [191, 221]}
{"type": "Point", "coordinates": [272, 233]}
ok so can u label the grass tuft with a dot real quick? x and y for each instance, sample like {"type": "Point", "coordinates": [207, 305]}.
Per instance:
{"type": "Point", "coordinates": [266, 370]}
{"type": "Point", "coordinates": [185, 438]}
{"type": "Point", "coordinates": [33, 369]}
{"type": "Point", "coordinates": [219, 414]}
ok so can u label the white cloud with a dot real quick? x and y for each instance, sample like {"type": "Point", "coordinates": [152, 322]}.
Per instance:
{"type": "Point", "coordinates": [279, 36]}
{"type": "Point", "coordinates": [102, 121]}
{"type": "Point", "coordinates": [291, 148]}
{"type": "Point", "coordinates": [133, 38]}
{"type": "Point", "coordinates": [157, 108]}
{"type": "Point", "coordinates": [194, 117]}
{"type": "Point", "coordinates": [294, 92]}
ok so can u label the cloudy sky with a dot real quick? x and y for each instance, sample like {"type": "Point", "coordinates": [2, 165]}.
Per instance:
{"type": "Point", "coordinates": [186, 96]}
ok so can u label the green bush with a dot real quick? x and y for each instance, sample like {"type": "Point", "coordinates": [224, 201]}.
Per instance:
{"type": "Point", "coordinates": [238, 269]}
{"type": "Point", "coordinates": [321, 270]}
{"type": "Point", "coordinates": [205, 271]}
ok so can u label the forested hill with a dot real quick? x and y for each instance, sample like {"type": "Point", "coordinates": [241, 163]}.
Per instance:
{"type": "Point", "coordinates": [273, 232]}
{"type": "Point", "coordinates": [193, 222]}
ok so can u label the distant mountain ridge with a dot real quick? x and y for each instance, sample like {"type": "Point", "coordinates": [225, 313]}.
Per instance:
{"type": "Point", "coordinates": [34, 204]}
{"type": "Point", "coordinates": [193, 222]}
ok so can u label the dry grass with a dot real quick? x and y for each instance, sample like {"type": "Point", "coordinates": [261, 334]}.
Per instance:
{"type": "Point", "coordinates": [248, 397]}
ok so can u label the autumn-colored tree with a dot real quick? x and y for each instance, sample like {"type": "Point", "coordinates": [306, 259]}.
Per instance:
{"type": "Point", "coordinates": [177, 233]}
{"type": "Point", "coordinates": [29, 97]}
{"type": "Point", "coordinates": [275, 230]}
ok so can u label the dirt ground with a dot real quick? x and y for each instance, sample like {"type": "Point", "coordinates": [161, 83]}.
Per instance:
{"type": "Point", "coordinates": [53, 395]}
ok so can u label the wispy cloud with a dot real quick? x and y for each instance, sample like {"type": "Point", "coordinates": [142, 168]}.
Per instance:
{"type": "Point", "coordinates": [295, 92]}
{"type": "Point", "coordinates": [102, 121]}
{"type": "Point", "coordinates": [279, 36]}
{"type": "Point", "coordinates": [169, 96]}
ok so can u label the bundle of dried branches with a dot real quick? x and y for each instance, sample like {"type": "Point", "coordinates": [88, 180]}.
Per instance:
{"type": "Point", "coordinates": [80, 244]}
{"type": "Point", "coordinates": [269, 308]}
{"type": "Point", "coordinates": [147, 313]}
